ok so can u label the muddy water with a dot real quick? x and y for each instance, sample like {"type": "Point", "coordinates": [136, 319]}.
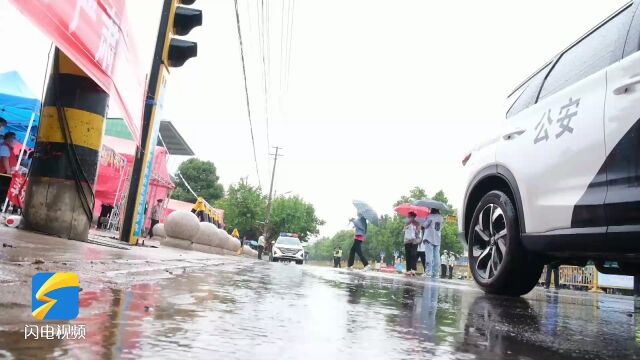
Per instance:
{"type": "Point", "coordinates": [258, 310]}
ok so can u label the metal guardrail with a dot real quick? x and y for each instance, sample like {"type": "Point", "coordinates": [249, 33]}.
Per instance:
{"type": "Point", "coordinates": [574, 276]}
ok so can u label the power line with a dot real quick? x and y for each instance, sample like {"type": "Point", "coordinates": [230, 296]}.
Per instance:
{"type": "Point", "coordinates": [282, 31]}
{"type": "Point", "coordinates": [263, 50]}
{"type": "Point", "coordinates": [289, 45]}
{"type": "Point", "coordinates": [246, 91]}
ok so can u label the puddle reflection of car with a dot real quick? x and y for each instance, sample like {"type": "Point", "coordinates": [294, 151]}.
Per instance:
{"type": "Point", "coordinates": [288, 248]}
{"type": "Point", "coordinates": [561, 182]}
{"type": "Point", "coordinates": [497, 327]}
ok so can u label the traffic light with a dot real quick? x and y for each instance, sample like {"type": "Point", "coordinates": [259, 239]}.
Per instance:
{"type": "Point", "coordinates": [184, 19]}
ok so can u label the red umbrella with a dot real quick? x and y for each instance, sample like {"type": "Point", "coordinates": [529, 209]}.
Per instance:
{"type": "Point", "coordinates": [405, 209]}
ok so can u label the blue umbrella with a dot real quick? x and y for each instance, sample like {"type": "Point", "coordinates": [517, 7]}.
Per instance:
{"type": "Point", "coordinates": [431, 204]}
{"type": "Point", "coordinates": [367, 211]}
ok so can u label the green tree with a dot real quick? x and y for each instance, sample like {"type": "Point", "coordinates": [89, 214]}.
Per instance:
{"type": "Point", "coordinates": [203, 179]}
{"type": "Point", "coordinates": [323, 248]}
{"type": "Point", "coordinates": [294, 215]}
{"type": "Point", "coordinates": [244, 208]}
{"type": "Point", "coordinates": [450, 240]}
{"type": "Point", "coordinates": [385, 237]}
{"type": "Point", "coordinates": [417, 193]}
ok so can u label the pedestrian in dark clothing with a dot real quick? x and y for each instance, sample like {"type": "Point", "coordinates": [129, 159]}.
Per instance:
{"type": "Point", "coordinates": [422, 255]}
{"type": "Point", "coordinates": [337, 257]}
{"type": "Point", "coordinates": [555, 267]}
{"type": "Point", "coordinates": [361, 231]}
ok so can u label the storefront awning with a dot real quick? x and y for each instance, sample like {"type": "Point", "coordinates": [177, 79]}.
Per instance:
{"type": "Point", "coordinates": [172, 140]}
{"type": "Point", "coordinates": [169, 136]}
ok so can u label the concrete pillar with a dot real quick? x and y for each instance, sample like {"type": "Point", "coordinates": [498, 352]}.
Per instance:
{"type": "Point", "coordinates": [59, 198]}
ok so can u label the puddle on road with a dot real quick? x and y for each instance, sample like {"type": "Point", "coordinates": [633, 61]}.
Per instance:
{"type": "Point", "coordinates": [276, 311]}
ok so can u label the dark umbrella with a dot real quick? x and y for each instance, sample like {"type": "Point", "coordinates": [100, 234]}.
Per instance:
{"type": "Point", "coordinates": [431, 204]}
{"type": "Point", "coordinates": [367, 211]}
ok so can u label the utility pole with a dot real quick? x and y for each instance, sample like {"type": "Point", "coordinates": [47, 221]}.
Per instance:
{"type": "Point", "coordinates": [273, 173]}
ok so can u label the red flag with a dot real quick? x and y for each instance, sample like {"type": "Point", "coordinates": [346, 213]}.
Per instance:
{"type": "Point", "coordinates": [17, 189]}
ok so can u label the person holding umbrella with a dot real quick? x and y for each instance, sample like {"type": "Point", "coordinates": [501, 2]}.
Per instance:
{"type": "Point", "coordinates": [432, 239]}
{"type": "Point", "coordinates": [365, 213]}
{"type": "Point", "coordinates": [410, 245]}
{"type": "Point", "coordinates": [360, 225]}
{"type": "Point", "coordinates": [414, 248]}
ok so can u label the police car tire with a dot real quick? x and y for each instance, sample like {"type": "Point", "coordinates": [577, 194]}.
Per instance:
{"type": "Point", "coordinates": [519, 270]}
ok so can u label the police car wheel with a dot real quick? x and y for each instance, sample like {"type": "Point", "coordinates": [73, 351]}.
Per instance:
{"type": "Point", "coordinates": [498, 261]}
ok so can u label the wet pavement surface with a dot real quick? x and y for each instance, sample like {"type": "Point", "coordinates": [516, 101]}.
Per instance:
{"type": "Point", "coordinates": [257, 310]}
{"type": "Point", "coordinates": [177, 306]}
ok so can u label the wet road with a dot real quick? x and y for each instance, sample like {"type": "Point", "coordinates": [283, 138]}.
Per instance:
{"type": "Point", "coordinates": [257, 310]}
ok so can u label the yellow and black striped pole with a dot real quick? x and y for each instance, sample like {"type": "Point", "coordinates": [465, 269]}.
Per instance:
{"type": "Point", "coordinates": [59, 198]}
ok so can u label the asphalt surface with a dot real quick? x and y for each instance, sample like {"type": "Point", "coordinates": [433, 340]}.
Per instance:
{"type": "Point", "coordinates": [216, 307]}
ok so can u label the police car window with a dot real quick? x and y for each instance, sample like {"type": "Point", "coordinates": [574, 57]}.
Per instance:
{"type": "Point", "coordinates": [600, 49]}
{"type": "Point", "coordinates": [528, 96]}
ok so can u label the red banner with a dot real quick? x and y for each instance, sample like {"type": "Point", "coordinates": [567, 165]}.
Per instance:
{"type": "Point", "coordinates": [95, 35]}
{"type": "Point", "coordinates": [17, 189]}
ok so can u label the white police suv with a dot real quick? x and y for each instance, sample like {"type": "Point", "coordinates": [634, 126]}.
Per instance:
{"type": "Point", "coordinates": [288, 248]}
{"type": "Point", "coordinates": [562, 181]}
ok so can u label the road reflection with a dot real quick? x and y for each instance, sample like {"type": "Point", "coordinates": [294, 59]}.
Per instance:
{"type": "Point", "coordinates": [278, 311]}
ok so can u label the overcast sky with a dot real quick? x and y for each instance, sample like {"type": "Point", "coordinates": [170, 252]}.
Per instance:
{"type": "Point", "coordinates": [383, 95]}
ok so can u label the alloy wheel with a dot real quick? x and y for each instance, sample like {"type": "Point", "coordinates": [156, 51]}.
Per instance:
{"type": "Point", "coordinates": [489, 241]}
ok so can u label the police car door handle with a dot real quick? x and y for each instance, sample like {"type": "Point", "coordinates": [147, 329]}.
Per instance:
{"type": "Point", "coordinates": [622, 89]}
{"type": "Point", "coordinates": [513, 134]}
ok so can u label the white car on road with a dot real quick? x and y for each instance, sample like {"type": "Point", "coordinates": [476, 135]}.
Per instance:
{"type": "Point", "coordinates": [288, 248]}
{"type": "Point", "coordinates": [562, 181]}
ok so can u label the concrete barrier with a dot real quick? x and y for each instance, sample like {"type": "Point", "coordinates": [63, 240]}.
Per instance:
{"type": "Point", "coordinates": [219, 238]}
{"type": "Point", "coordinates": [232, 244]}
{"type": "Point", "coordinates": [207, 249]}
{"type": "Point", "coordinates": [182, 225]}
{"type": "Point", "coordinates": [176, 243]}
{"type": "Point", "coordinates": [159, 232]}
{"type": "Point", "coordinates": [206, 234]}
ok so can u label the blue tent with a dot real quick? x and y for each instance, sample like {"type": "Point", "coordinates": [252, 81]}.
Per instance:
{"type": "Point", "coordinates": [17, 104]}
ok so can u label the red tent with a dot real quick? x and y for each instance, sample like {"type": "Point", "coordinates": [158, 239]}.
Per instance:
{"type": "Point", "coordinates": [116, 162]}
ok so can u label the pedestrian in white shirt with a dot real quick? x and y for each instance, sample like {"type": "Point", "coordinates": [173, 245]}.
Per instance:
{"type": "Point", "coordinates": [261, 244]}
{"type": "Point", "coordinates": [452, 263]}
{"type": "Point", "coordinates": [444, 261]}
{"type": "Point", "coordinates": [411, 243]}
{"type": "Point", "coordinates": [432, 238]}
